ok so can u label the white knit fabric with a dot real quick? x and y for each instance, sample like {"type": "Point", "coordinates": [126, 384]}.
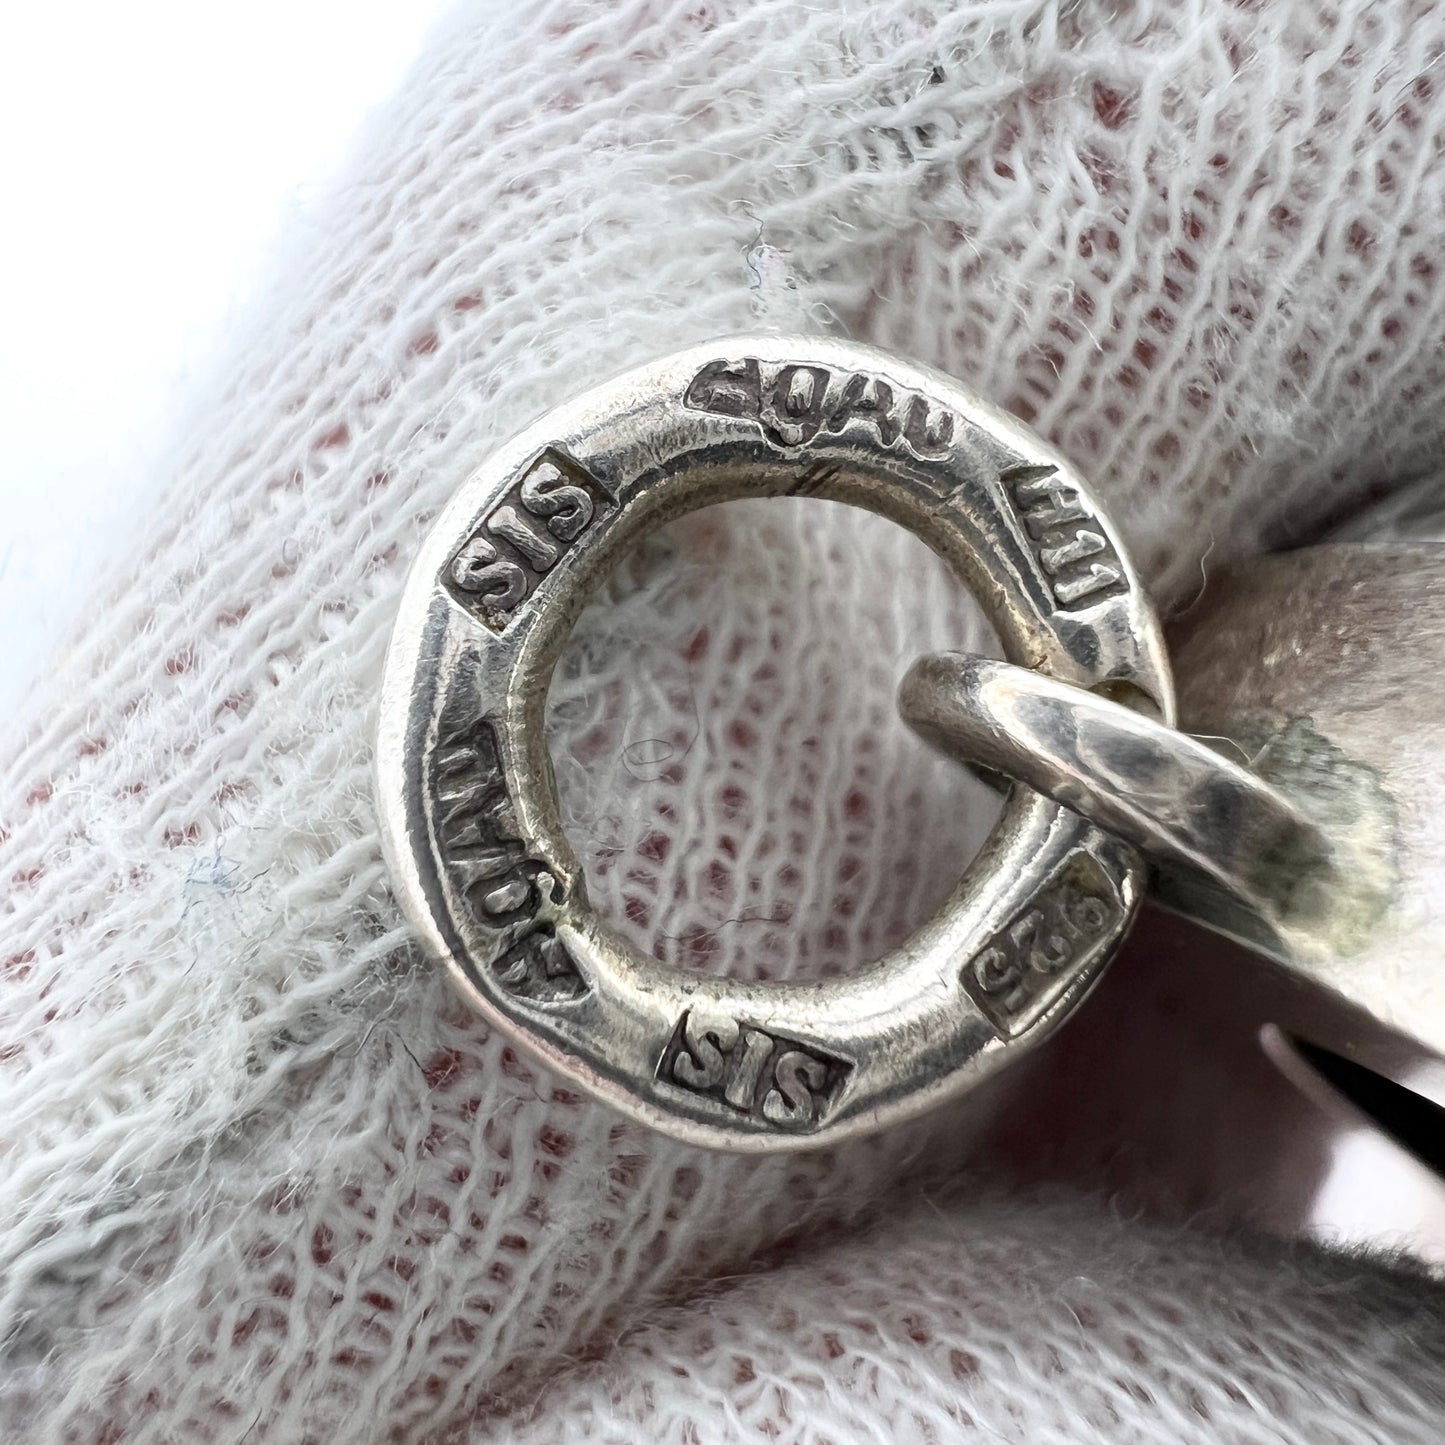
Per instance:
{"type": "Point", "coordinates": [265, 1179]}
{"type": "Point", "coordinates": [1029, 1321]}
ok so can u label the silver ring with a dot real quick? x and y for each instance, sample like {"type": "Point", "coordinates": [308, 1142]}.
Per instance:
{"type": "Point", "coordinates": [468, 813]}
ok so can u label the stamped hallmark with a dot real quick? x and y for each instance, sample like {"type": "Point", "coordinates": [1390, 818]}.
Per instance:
{"type": "Point", "coordinates": [504, 888]}
{"type": "Point", "coordinates": [1024, 967]}
{"type": "Point", "coordinates": [794, 402]}
{"type": "Point", "coordinates": [540, 969]}
{"type": "Point", "coordinates": [1072, 549]}
{"type": "Point", "coordinates": [757, 1073]}
{"type": "Point", "coordinates": [537, 522]}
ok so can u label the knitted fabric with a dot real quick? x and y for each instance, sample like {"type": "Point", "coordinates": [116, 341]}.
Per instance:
{"type": "Point", "coordinates": [977, 1323]}
{"type": "Point", "coordinates": [265, 1178]}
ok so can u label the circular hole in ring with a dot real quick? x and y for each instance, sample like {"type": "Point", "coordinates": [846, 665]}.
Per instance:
{"type": "Point", "coordinates": [731, 769]}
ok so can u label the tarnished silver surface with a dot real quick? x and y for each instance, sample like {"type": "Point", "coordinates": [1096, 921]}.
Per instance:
{"type": "Point", "coordinates": [1324, 667]}
{"type": "Point", "coordinates": [1323, 846]}
{"type": "Point", "coordinates": [1306, 819]}
{"type": "Point", "coordinates": [1229, 848]}
{"type": "Point", "coordinates": [469, 817]}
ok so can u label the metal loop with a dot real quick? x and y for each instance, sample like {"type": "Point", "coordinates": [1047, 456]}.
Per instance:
{"type": "Point", "coordinates": [1326, 852]}
{"type": "Point", "coordinates": [1229, 849]}
{"type": "Point", "coordinates": [477, 851]}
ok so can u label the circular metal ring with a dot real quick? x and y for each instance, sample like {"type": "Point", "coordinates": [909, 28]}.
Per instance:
{"type": "Point", "coordinates": [468, 811]}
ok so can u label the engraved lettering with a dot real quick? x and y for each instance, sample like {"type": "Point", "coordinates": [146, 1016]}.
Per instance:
{"type": "Point", "coordinates": [480, 570]}
{"type": "Point", "coordinates": [567, 508]}
{"type": "Point", "coordinates": [927, 431]}
{"type": "Point", "coordinates": [1051, 950]}
{"type": "Point", "coordinates": [752, 1070]}
{"type": "Point", "coordinates": [1087, 913]}
{"type": "Point", "coordinates": [1046, 504]}
{"type": "Point", "coordinates": [727, 390]}
{"type": "Point", "coordinates": [471, 818]}
{"type": "Point", "coordinates": [539, 551]}
{"type": "Point", "coordinates": [794, 409]}
{"type": "Point", "coordinates": [532, 527]}
{"type": "Point", "coordinates": [703, 1064]}
{"type": "Point", "coordinates": [799, 1077]}
{"type": "Point", "coordinates": [1058, 550]}
{"type": "Point", "coordinates": [997, 972]}
{"type": "Point", "coordinates": [742, 1085]}
{"type": "Point", "coordinates": [865, 398]}
{"type": "Point", "coordinates": [1073, 552]}
{"type": "Point", "coordinates": [539, 968]}
{"type": "Point", "coordinates": [517, 900]}
{"type": "Point", "coordinates": [1100, 577]}
{"type": "Point", "coordinates": [475, 861]}
{"type": "Point", "coordinates": [1030, 961]}
{"type": "Point", "coordinates": [512, 895]}
{"type": "Point", "coordinates": [794, 402]}
{"type": "Point", "coordinates": [476, 836]}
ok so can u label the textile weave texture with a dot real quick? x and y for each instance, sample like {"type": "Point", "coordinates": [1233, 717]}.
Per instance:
{"type": "Point", "coordinates": [265, 1177]}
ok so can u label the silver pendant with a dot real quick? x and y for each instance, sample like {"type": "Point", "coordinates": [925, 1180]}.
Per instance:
{"type": "Point", "coordinates": [469, 818]}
